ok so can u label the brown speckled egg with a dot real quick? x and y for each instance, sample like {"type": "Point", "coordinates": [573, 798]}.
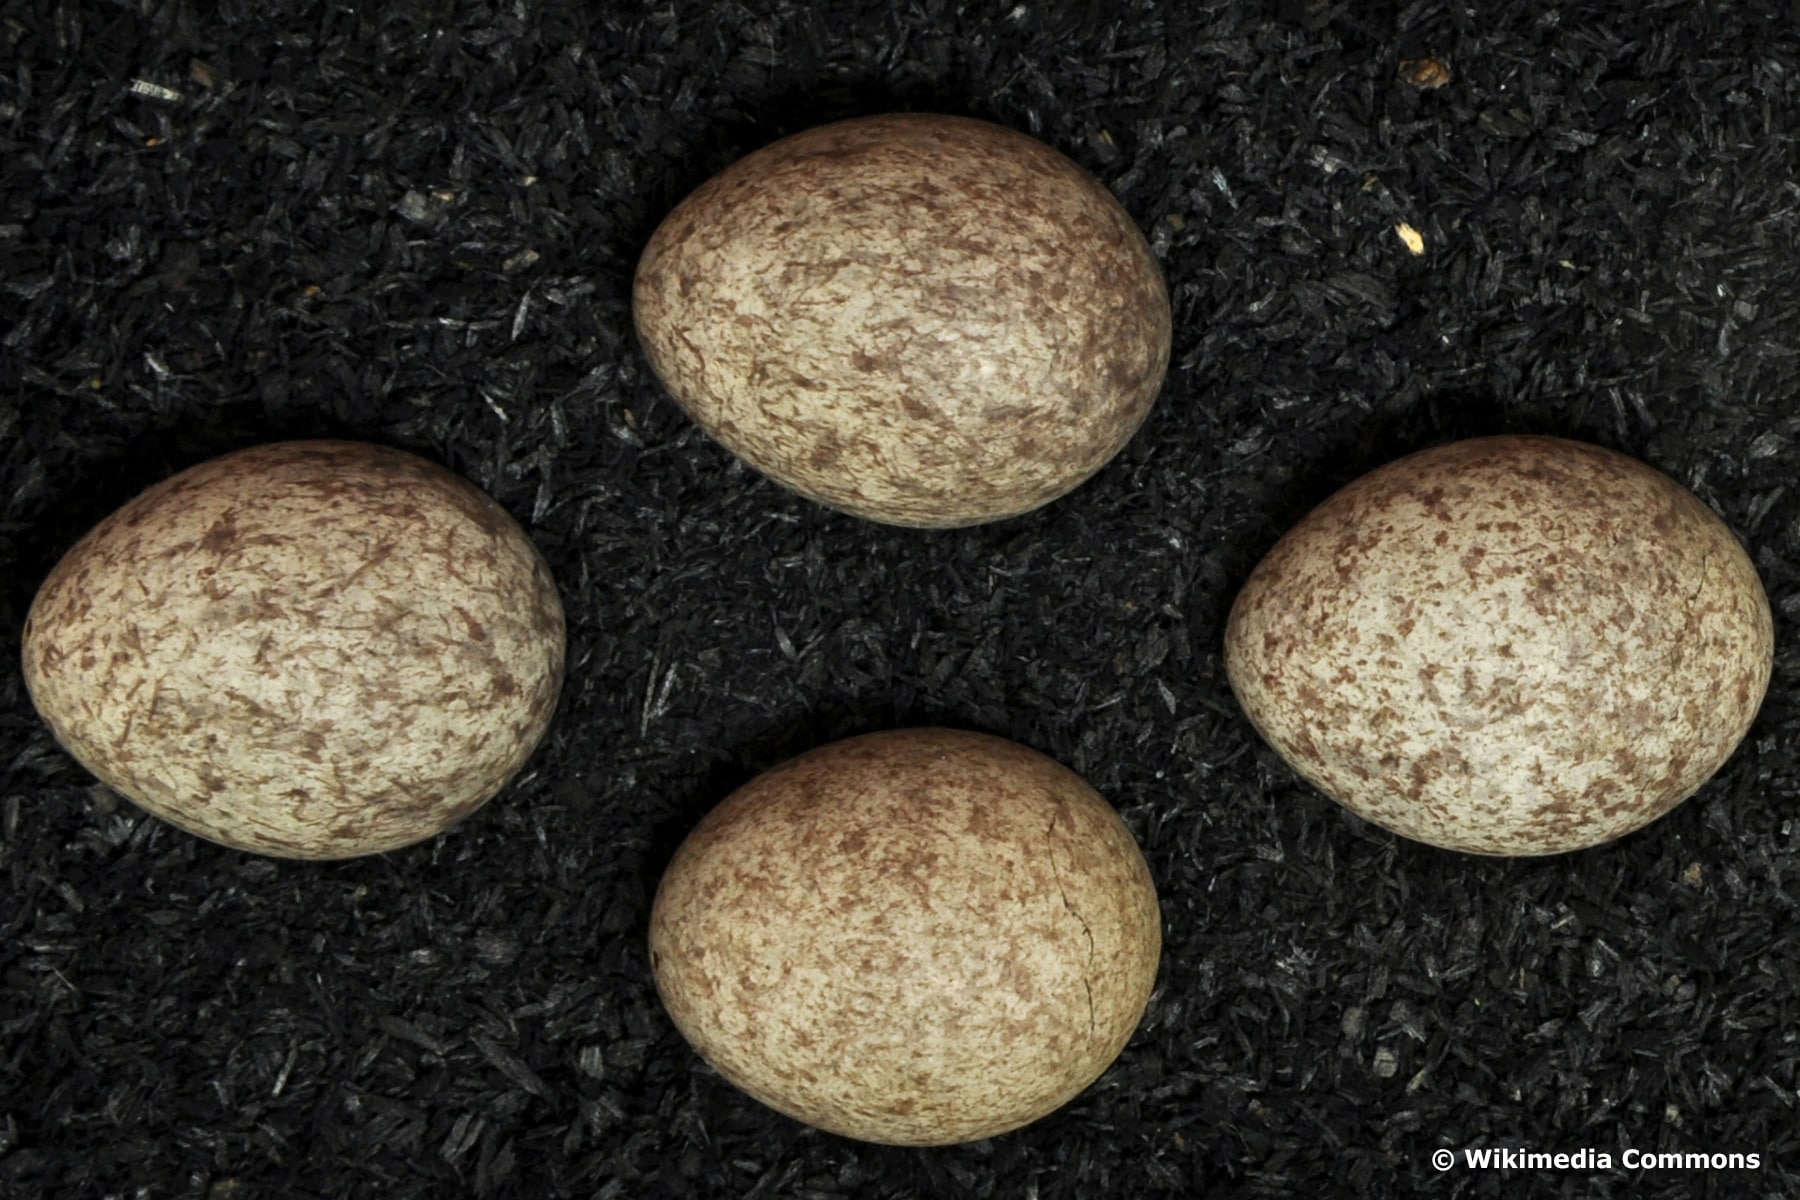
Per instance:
{"type": "Point", "coordinates": [917, 937]}
{"type": "Point", "coordinates": [923, 320]}
{"type": "Point", "coordinates": [1509, 645]}
{"type": "Point", "coordinates": [305, 649]}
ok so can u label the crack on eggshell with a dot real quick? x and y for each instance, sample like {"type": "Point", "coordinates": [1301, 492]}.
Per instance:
{"type": "Point", "coordinates": [1087, 980]}
{"type": "Point", "coordinates": [1706, 563]}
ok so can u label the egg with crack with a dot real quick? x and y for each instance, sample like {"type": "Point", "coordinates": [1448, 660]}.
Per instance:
{"type": "Point", "coordinates": [916, 937]}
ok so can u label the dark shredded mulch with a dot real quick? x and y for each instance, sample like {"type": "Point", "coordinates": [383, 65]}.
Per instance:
{"type": "Point", "coordinates": [416, 224]}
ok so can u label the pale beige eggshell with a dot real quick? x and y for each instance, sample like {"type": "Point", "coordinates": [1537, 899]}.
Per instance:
{"type": "Point", "coordinates": [304, 649]}
{"type": "Point", "coordinates": [917, 937]}
{"type": "Point", "coordinates": [1507, 645]}
{"type": "Point", "coordinates": [924, 320]}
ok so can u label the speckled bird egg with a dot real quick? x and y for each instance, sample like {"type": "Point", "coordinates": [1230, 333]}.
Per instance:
{"type": "Point", "coordinates": [1509, 645]}
{"type": "Point", "coordinates": [923, 320]}
{"type": "Point", "coordinates": [304, 649]}
{"type": "Point", "coordinates": [917, 937]}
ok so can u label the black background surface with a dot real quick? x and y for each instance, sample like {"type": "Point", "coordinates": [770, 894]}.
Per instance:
{"type": "Point", "coordinates": [416, 224]}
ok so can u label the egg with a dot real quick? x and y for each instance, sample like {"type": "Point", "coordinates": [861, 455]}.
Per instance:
{"type": "Point", "coordinates": [916, 937]}
{"type": "Point", "coordinates": [923, 320]}
{"type": "Point", "coordinates": [304, 649]}
{"type": "Point", "coordinates": [1507, 645]}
